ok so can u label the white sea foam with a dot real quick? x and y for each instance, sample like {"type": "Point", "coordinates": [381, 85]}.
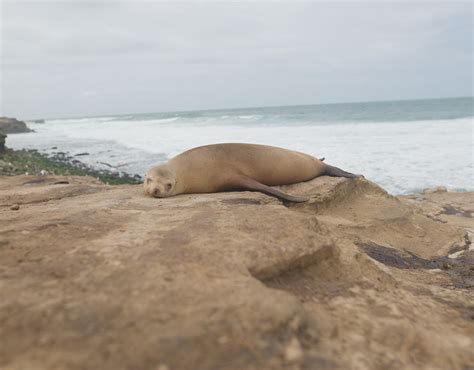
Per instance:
{"type": "Point", "coordinates": [80, 120]}
{"type": "Point", "coordinates": [400, 156]}
{"type": "Point", "coordinates": [250, 116]}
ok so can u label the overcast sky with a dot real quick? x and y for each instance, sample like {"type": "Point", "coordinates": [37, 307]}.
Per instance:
{"type": "Point", "coordinates": [62, 59]}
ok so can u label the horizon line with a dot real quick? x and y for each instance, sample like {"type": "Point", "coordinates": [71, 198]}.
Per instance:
{"type": "Point", "coordinates": [248, 107]}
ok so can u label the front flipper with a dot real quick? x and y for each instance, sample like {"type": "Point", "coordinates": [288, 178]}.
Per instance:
{"type": "Point", "coordinates": [251, 184]}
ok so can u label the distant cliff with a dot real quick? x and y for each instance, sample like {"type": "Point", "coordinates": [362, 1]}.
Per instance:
{"type": "Point", "coordinates": [13, 126]}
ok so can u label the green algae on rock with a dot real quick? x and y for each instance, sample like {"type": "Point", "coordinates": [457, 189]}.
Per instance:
{"type": "Point", "coordinates": [20, 162]}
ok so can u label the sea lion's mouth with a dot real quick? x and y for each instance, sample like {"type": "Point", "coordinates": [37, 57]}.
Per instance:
{"type": "Point", "coordinates": [157, 193]}
{"type": "Point", "coordinates": [154, 193]}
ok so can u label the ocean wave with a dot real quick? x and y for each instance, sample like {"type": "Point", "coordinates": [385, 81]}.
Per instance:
{"type": "Point", "coordinates": [400, 155]}
{"type": "Point", "coordinates": [79, 120]}
{"type": "Point", "coordinates": [270, 120]}
{"type": "Point", "coordinates": [250, 116]}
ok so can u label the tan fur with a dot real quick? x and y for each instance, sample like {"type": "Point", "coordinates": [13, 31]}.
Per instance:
{"type": "Point", "coordinates": [222, 167]}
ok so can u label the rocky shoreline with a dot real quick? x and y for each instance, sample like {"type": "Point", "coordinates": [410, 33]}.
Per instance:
{"type": "Point", "coordinates": [101, 277]}
{"type": "Point", "coordinates": [33, 162]}
{"type": "Point", "coordinates": [30, 161]}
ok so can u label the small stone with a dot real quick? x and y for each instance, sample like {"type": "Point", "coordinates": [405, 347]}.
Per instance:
{"type": "Point", "coordinates": [15, 207]}
{"type": "Point", "coordinates": [469, 237]}
{"type": "Point", "coordinates": [446, 266]}
{"type": "Point", "coordinates": [456, 254]}
{"type": "Point", "coordinates": [293, 351]}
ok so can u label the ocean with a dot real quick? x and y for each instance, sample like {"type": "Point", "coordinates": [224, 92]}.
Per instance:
{"type": "Point", "coordinates": [404, 146]}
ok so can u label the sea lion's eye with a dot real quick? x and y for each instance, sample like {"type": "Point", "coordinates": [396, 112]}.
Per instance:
{"type": "Point", "coordinates": [168, 186]}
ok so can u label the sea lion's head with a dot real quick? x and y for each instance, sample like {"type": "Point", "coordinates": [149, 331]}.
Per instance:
{"type": "Point", "coordinates": [160, 182]}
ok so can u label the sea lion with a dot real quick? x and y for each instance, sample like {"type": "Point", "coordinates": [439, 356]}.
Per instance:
{"type": "Point", "coordinates": [226, 167]}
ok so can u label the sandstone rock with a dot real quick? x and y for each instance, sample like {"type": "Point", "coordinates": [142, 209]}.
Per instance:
{"type": "Point", "coordinates": [438, 189]}
{"type": "Point", "coordinates": [102, 277]}
{"type": "Point", "coordinates": [13, 126]}
{"type": "Point", "coordinates": [445, 207]}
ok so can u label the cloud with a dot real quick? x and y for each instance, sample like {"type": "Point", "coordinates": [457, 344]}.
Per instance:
{"type": "Point", "coordinates": [166, 56]}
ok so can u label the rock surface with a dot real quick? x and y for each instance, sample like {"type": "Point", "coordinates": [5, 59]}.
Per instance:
{"type": "Point", "coordinates": [13, 126]}
{"type": "Point", "coordinates": [102, 277]}
{"type": "Point", "coordinates": [2, 140]}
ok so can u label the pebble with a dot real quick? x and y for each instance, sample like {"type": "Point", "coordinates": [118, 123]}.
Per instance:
{"type": "Point", "coordinates": [293, 351]}
{"type": "Point", "coordinates": [15, 207]}
{"type": "Point", "coordinates": [456, 254]}
{"type": "Point", "coordinates": [438, 189]}
{"type": "Point", "coordinates": [446, 266]}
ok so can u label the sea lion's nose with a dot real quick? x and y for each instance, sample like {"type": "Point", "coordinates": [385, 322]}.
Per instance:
{"type": "Point", "coordinates": [156, 192]}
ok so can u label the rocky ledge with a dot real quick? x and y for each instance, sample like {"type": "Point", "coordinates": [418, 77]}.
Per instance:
{"type": "Point", "coordinates": [13, 126]}
{"type": "Point", "coordinates": [101, 277]}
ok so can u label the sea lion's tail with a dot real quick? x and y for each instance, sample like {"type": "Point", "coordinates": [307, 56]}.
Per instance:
{"type": "Point", "coordinates": [337, 172]}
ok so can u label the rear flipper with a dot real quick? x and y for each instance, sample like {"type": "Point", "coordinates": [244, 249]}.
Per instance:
{"type": "Point", "coordinates": [251, 184]}
{"type": "Point", "coordinates": [337, 172]}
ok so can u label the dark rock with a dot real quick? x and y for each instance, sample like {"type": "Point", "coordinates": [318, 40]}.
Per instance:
{"type": "Point", "coordinates": [450, 210]}
{"type": "Point", "coordinates": [13, 126]}
{"type": "Point", "coordinates": [2, 141]}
